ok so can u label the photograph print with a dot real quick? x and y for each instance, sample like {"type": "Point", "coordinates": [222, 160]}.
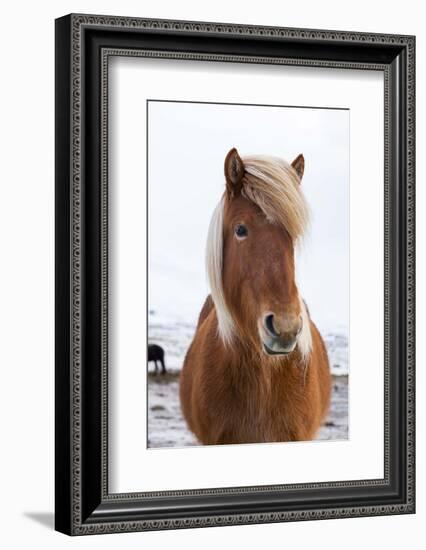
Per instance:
{"type": "Point", "coordinates": [248, 274]}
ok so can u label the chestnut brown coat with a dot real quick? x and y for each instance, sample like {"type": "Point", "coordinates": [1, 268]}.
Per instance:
{"type": "Point", "coordinates": [257, 368]}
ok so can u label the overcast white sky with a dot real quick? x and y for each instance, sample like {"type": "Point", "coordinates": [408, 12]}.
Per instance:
{"type": "Point", "coordinates": [187, 146]}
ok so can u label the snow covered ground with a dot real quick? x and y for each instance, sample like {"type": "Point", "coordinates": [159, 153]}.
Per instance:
{"type": "Point", "coordinates": [166, 426]}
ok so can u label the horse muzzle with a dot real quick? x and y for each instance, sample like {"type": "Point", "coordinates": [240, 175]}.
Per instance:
{"type": "Point", "coordinates": [279, 336]}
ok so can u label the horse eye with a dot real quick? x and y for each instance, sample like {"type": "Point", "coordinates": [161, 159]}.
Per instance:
{"type": "Point", "coordinates": [241, 231]}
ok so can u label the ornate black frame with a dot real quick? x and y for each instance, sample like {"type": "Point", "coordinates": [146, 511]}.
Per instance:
{"type": "Point", "coordinates": [83, 45]}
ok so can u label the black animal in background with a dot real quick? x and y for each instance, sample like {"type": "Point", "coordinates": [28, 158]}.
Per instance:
{"type": "Point", "coordinates": [156, 353]}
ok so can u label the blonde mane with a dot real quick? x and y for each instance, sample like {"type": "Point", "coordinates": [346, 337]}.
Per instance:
{"type": "Point", "coordinates": [274, 186]}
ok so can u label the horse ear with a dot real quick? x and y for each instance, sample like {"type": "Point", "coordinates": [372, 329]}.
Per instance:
{"type": "Point", "coordinates": [234, 172]}
{"type": "Point", "coordinates": [299, 165]}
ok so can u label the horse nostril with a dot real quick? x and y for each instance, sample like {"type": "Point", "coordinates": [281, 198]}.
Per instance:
{"type": "Point", "coordinates": [269, 324]}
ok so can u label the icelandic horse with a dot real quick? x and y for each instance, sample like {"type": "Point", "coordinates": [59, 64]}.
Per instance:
{"type": "Point", "coordinates": [257, 368]}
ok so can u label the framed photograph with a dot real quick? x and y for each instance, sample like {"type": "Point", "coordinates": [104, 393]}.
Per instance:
{"type": "Point", "coordinates": [234, 274]}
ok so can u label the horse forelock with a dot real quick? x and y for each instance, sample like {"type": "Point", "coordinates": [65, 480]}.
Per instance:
{"type": "Point", "coordinates": [274, 186]}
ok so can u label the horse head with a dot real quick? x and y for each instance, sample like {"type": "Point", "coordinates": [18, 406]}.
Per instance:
{"type": "Point", "coordinates": [251, 255]}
